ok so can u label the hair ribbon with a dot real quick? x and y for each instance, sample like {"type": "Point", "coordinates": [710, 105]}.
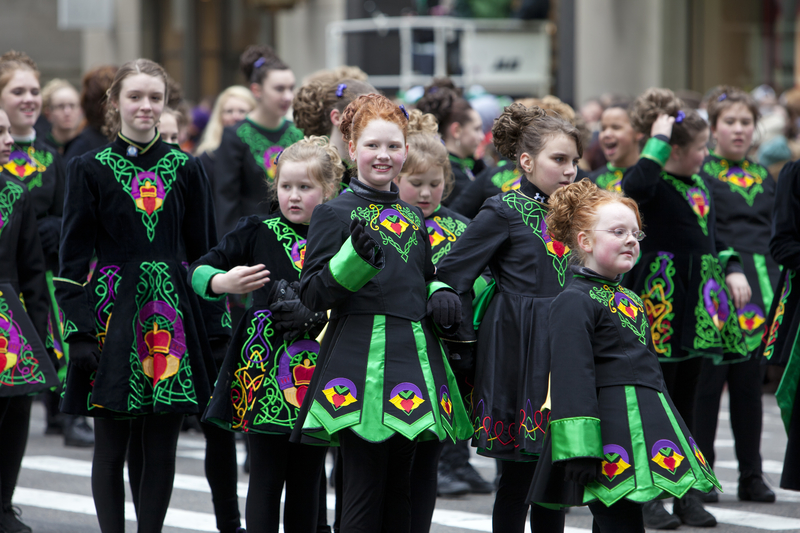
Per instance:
{"type": "Point", "coordinates": [722, 97]}
{"type": "Point", "coordinates": [340, 90]}
{"type": "Point", "coordinates": [403, 109]}
{"type": "Point", "coordinates": [680, 117]}
{"type": "Point", "coordinates": [260, 62]}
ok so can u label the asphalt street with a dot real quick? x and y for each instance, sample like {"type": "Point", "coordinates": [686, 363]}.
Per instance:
{"type": "Point", "coordinates": [54, 490]}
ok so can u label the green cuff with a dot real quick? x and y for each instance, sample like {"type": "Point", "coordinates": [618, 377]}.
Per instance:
{"type": "Point", "coordinates": [726, 255]}
{"type": "Point", "coordinates": [657, 150]}
{"type": "Point", "coordinates": [479, 285]}
{"type": "Point", "coordinates": [437, 285]}
{"type": "Point", "coordinates": [201, 282]}
{"type": "Point", "coordinates": [576, 437]}
{"type": "Point", "coordinates": [349, 269]}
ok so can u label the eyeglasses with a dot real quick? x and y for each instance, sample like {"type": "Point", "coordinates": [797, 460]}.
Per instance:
{"type": "Point", "coordinates": [620, 233]}
{"type": "Point", "coordinates": [64, 107]}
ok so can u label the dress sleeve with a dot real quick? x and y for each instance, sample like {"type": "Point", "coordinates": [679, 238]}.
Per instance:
{"type": "Point", "coordinates": [199, 225]}
{"type": "Point", "coordinates": [228, 178]}
{"type": "Point", "coordinates": [332, 270]}
{"type": "Point", "coordinates": [575, 415]}
{"type": "Point", "coordinates": [469, 202]}
{"type": "Point", "coordinates": [470, 255]}
{"type": "Point", "coordinates": [78, 235]}
{"type": "Point", "coordinates": [639, 182]}
{"type": "Point", "coordinates": [235, 249]}
{"type": "Point", "coordinates": [785, 243]}
{"type": "Point", "coordinates": [31, 268]}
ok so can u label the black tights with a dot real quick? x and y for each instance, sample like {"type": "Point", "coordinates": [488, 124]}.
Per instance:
{"type": "Point", "coordinates": [511, 510]}
{"type": "Point", "coordinates": [424, 480]}
{"type": "Point", "coordinates": [159, 440]}
{"type": "Point", "coordinates": [681, 381]}
{"type": "Point", "coordinates": [221, 472]}
{"type": "Point", "coordinates": [622, 517]}
{"type": "Point", "coordinates": [275, 462]}
{"type": "Point", "coordinates": [15, 416]}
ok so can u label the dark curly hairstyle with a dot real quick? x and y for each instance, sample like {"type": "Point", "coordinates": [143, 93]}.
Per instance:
{"type": "Point", "coordinates": [445, 102]}
{"type": "Point", "coordinates": [314, 102]}
{"type": "Point", "coordinates": [521, 129]}
{"type": "Point", "coordinates": [366, 108]}
{"type": "Point", "coordinates": [656, 101]}
{"type": "Point", "coordinates": [257, 74]}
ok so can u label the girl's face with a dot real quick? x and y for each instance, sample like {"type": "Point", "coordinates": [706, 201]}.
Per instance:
{"type": "Point", "coordinates": [298, 192]}
{"type": "Point", "coordinates": [471, 134]}
{"type": "Point", "coordinates": [379, 153]}
{"type": "Point", "coordinates": [65, 109]}
{"type": "Point", "coordinates": [617, 136]}
{"type": "Point", "coordinates": [22, 100]}
{"type": "Point", "coordinates": [556, 165]}
{"type": "Point", "coordinates": [275, 94]}
{"type": "Point", "coordinates": [423, 190]}
{"type": "Point", "coordinates": [233, 110]}
{"type": "Point", "coordinates": [141, 101]}
{"type": "Point", "coordinates": [168, 128]}
{"type": "Point", "coordinates": [688, 159]}
{"type": "Point", "coordinates": [734, 131]}
{"type": "Point", "coordinates": [5, 138]}
{"type": "Point", "coordinates": [606, 253]}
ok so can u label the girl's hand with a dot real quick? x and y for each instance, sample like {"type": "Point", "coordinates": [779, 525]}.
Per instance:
{"type": "Point", "coordinates": [662, 126]}
{"type": "Point", "coordinates": [240, 280]}
{"type": "Point", "coordinates": [739, 288]}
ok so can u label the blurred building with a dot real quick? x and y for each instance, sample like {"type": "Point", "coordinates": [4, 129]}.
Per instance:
{"type": "Point", "coordinates": [598, 46]}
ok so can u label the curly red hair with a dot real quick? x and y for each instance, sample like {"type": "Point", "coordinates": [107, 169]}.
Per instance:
{"type": "Point", "coordinates": [365, 109]}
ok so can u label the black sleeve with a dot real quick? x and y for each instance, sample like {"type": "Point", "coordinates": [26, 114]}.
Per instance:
{"type": "Point", "coordinates": [228, 179]}
{"type": "Point", "coordinates": [469, 257]}
{"type": "Point", "coordinates": [785, 243]}
{"type": "Point", "coordinates": [31, 268]}
{"type": "Point", "coordinates": [469, 202]}
{"type": "Point", "coordinates": [640, 181]}
{"type": "Point", "coordinates": [235, 248]}
{"type": "Point", "coordinates": [199, 225]}
{"type": "Point", "coordinates": [78, 234]}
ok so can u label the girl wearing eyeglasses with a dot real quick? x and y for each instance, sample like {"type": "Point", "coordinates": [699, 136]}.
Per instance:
{"type": "Point", "coordinates": [615, 439]}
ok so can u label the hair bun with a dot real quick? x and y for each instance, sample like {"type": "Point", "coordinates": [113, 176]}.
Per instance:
{"type": "Point", "coordinates": [419, 122]}
{"type": "Point", "coordinates": [510, 125]}
{"type": "Point", "coordinates": [650, 104]}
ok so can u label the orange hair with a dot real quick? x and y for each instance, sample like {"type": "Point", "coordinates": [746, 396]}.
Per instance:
{"type": "Point", "coordinates": [365, 109]}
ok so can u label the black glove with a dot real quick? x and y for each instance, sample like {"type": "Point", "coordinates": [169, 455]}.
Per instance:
{"type": "Point", "coordinates": [444, 307]}
{"type": "Point", "coordinates": [49, 234]}
{"type": "Point", "coordinates": [85, 354]}
{"type": "Point", "coordinates": [294, 318]}
{"type": "Point", "coordinates": [282, 290]}
{"type": "Point", "coordinates": [582, 471]}
{"type": "Point", "coordinates": [363, 243]}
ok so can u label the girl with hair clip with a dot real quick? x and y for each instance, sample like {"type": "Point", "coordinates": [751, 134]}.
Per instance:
{"type": "Point", "coordinates": [248, 149]}
{"type": "Point", "coordinates": [26, 367]}
{"type": "Point", "coordinates": [427, 178]}
{"type": "Point", "coordinates": [386, 382]}
{"type": "Point", "coordinates": [615, 440]}
{"type": "Point", "coordinates": [744, 194]}
{"type": "Point", "coordinates": [512, 353]}
{"type": "Point", "coordinates": [269, 364]}
{"type": "Point", "coordinates": [461, 128]}
{"type": "Point", "coordinates": [685, 269]}
{"type": "Point", "coordinates": [506, 175]}
{"type": "Point", "coordinates": [144, 208]}
{"type": "Point", "coordinates": [318, 108]}
{"type": "Point", "coordinates": [620, 145]}
{"type": "Point", "coordinates": [232, 106]}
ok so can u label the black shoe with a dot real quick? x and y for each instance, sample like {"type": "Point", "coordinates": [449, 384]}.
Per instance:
{"type": "Point", "coordinates": [10, 522]}
{"type": "Point", "coordinates": [656, 517]}
{"type": "Point", "coordinates": [77, 433]}
{"type": "Point", "coordinates": [753, 489]}
{"type": "Point", "coordinates": [55, 424]}
{"type": "Point", "coordinates": [477, 485]}
{"type": "Point", "coordinates": [691, 512]}
{"type": "Point", "coordinates": [710, 497]}
{"type": "Point", "coordinates": [449, 485]}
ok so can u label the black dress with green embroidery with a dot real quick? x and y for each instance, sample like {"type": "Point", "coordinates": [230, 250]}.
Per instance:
{"type": "Point", "coordinates": [608, 177]}
{"type": "Point", "coordinates": [40, 169]}
{"type": "Point", "coordinates": [509, 235]}
{"type": "Point", "coordinates": [744, 194]}
{"type": "Point", "coordinates": [444, 227]}
{"type": "Point", "coordinates": [464, 172]}
{"type": "Point", "coordinates": [680, 274]}
{"type": "Point", "coordinates": [144, 217]}
{"type": "Point", "coordinates": [384, 371]}
{"type": "Point", "coordinates": [492, 181]}
{"type": "Point", "coordinates": [609, 402]}
{"type": "Point", "coordinates": [245, 165]}
{"type": "Point", "coordinates": [25, 365]}
{"type": "Point", "coordinates": [263, 380]}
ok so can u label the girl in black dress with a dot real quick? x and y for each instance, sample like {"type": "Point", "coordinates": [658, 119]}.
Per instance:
{"type": "Point", "coordinates": [509, 235]}
{"type": "Point", "coordinates": [615, 439]}
{"type": "Point", "coordinates": [620, 145]}
{"type": "Point", "coordinates": [25, 366]}
{"type": "Point", "coordinates": [269, 365]}
{"type": "Point", "coordinates": [139, 345]}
